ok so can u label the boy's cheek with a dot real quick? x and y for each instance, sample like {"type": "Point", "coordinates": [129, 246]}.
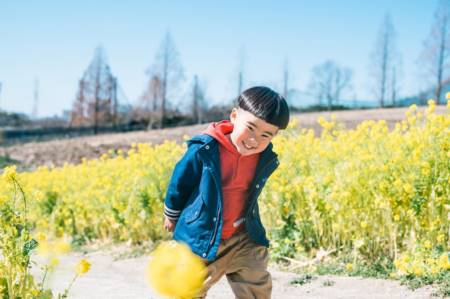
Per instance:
{"type": "Point", "coordinates": [265, 144]}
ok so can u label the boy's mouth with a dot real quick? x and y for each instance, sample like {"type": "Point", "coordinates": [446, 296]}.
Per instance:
{"type": "Point", "coordinates": [248, 147]}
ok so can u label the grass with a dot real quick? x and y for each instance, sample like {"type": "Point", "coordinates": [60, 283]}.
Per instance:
{"type": "Point", "coordinates": [441, 284]}
{"type": "Point", "coordinates": [303, 279]}
{"type": "Point", "coordinates": [328, 283]}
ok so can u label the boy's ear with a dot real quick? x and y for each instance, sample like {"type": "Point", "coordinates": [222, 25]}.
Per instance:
{"type": "Point", "coordinates": [233, 115]}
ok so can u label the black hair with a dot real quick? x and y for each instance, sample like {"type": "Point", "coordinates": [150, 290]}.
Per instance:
{"type": "Point", "coordinates": [265, 104]}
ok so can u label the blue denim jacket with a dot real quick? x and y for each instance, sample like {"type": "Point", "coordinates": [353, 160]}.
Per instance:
{"type": "Point", "coordinates": [194, 197]}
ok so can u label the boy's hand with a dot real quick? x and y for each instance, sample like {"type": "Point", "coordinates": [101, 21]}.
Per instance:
{"type": "Point", "coordinates": [169, 225]}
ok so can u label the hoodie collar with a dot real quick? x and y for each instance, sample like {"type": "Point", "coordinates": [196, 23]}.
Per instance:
{"type": "Point", "coordinates": [221, 132]}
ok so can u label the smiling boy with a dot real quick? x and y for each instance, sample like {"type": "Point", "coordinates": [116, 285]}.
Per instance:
{"type": "Point", "coordinates": [211, 202]}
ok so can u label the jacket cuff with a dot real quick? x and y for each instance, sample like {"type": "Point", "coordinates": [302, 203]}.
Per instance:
{"type": "Point", "coordinates": [171, 214]}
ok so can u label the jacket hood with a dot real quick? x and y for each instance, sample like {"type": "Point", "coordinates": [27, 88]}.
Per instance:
{"type": "Point", "coordinates": [221, 132]}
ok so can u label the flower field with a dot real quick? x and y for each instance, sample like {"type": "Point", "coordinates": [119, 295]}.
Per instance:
{"type": "Point", "coordinates": [370, 193]}
{"type": "Point", "coordinates": [373, 193]}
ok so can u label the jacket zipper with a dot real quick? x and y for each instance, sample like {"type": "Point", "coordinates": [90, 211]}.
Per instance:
{"type": "Point", "coordinates": [218, 209]}
{"type": "Point", "coordinates": [260, 175]}
{"type": "Point", "coordinates": [213, 239]}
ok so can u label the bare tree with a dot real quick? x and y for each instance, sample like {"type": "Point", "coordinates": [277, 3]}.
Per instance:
{"type": "Point", "coordinates": [394, 86]}
{"type": "Point", "coordinates": [385, 62]}
{"type": "Point", "coordinates": [151, 101]}
{"type": "Point", "coordinates": [241, 70]}
{"type": "Point", "coordinates": [436, 50]}
{"type": "Point", "coordinates": [96, 101]}
{"type": "Point", "coordinates": [34, 113]}
{"type": "Point", "coordinates": [285, 79]}
{"type": "Point", "coordinates": [198, 101]}
{"type": "Point", "coordinates": [240, 81]}
{"type": "Point", "coordinates": [239, 74]}
{"type": "Point", "coordinates": [113, 103]}
{"type": "Point", "coordinates": [79, 114]}
{"type": "Point", "coordinates": [168, 69]}
{"type": "Point", "coordinates": [329, 81]}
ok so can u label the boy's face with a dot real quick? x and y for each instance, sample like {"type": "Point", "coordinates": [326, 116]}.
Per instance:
{"type": "Point", "coordinates": [251, 135]}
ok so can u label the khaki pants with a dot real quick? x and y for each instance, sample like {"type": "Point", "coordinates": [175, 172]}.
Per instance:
{"type": "Point", "coordinates": [245, 265]}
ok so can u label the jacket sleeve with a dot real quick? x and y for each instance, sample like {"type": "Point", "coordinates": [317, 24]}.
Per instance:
{"type": "Point", "coordinates": [185, 178]}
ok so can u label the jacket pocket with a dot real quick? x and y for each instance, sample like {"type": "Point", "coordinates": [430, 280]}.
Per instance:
{"type": "Point", "coordinates": [195, 210]}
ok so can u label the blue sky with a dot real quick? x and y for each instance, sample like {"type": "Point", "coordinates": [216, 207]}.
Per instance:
{"type": "Point", "coordinates": [54, 41]}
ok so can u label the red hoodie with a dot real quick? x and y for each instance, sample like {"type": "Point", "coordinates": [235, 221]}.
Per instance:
{"type": "Point", "coordinates": [237, 173]}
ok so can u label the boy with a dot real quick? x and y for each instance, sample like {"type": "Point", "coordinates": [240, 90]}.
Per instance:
{"type": "Point", "coordinates": [211, 202]}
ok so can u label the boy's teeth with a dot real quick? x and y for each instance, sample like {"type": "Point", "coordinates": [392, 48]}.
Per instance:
{"type": "Point", "coordinates": [246, 146]}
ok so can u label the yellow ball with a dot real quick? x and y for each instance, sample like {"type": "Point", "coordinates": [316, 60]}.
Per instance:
{"type": "Point", "coordinates": [174, 271]}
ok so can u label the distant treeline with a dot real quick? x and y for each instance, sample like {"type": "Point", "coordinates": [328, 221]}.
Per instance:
{"type": "Point", "coordinates": [19, 128]}
{"type": "Point", "coordinates": [13, 119]}
{"type": "Point", "coordinates": [28, 130]}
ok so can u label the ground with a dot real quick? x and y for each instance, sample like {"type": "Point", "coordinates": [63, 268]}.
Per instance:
{"type": "Point", "coordinates": [115, 277]}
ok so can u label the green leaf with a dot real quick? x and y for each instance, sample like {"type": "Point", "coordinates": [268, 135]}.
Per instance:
{"type": "Point", "coordinates": [3, 287]}
{"type": "Point", "coordinates": [28, 246]}
{"type": "Point", "coordinates": [45, 294]}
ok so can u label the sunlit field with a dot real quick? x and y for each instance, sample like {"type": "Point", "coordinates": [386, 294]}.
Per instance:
{"type": "Point", "coordinates": [375, 198]}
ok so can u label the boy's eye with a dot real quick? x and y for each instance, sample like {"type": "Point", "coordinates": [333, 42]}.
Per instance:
{"type": "Point", "coordinates": [250, 128]}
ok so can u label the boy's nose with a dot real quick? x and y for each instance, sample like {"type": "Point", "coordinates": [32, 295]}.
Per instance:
{"type": "Point", "coordinates": [252, 142]}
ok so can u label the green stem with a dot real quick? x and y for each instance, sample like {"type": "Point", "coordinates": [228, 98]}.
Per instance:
{"type": "Point", "coordinates": [43, 278]}
{"type": "Point", "coordinates": [66, 292]}
{"type": "Point", "coordinates": [24, 283]}
{"type": "Point", "coordinates": [16, 183]}
{"type": "Point", "coordinates": [10, 285]}
{"type": "Point", "coordinates": [15, 195]}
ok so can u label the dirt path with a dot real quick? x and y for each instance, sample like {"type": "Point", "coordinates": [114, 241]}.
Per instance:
{"type": "Point", "coordinates": [125, 278]}
{"type": "Point", "coordinates": [57, 152]}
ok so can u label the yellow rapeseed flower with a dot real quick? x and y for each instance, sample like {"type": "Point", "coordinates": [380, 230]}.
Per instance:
{"type": "Point", "coordinates": [417, 270]}
{"type": "Point", "coordinates": [54, 261]}
{"type": "Point", "coordinates": [398, 263]}
{"type": "Point", "coordinates": [41, 237]}
{"type": "Point", "coordinates": [9, 172]}
{"type": "Point", "coordinates": [34, 292]}
{"type": "Point", "coordinates": [293, 123]}
{"type": "Point", "coordinates": [444, 262]}
{"type": "Point", "coordinates": [408, 188]}
{"type": "Point", "coordinates": [82, 267]}
{"type": "Point", "coordinates": [174, 271]}
{"type": "Point", "coordinates": [434, 269]}
{"type": "Point", "coordinates": [349, 266]}
{"type": "Point", "coordinates": [44, 248]}
{"type": "Point", "coordinates": [61, 247]}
